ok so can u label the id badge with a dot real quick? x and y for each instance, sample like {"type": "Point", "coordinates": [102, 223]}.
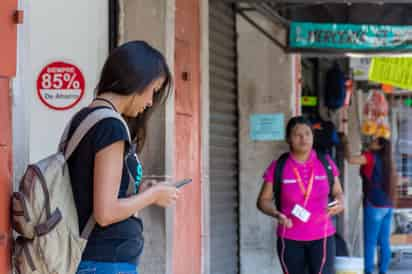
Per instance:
{"type": "Point", "coordinates": [301, 213]}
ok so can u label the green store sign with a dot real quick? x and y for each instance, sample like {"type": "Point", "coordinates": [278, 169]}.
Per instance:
{"type": "Point", "coordinates": [350, 37]}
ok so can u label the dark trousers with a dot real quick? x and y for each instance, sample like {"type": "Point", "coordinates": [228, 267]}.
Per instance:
{"type": "Point", "coordinates": [301, 257]}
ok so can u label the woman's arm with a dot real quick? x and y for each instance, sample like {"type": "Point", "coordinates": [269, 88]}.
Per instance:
{"type": "Point", "coordinates": [337, 193]}
{"type": "Point", "coordinates": [265, 205]}
{"type": "Point", "coordinates": [352, 159]}
{"type": "Point", "coordinates": [107, 207]}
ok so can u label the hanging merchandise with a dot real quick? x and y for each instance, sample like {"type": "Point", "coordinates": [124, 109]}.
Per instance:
{"type": "Point", "coordinates": [325, 135]}
{"type": "Point", "coordinates": [383, 130]}
{"type": "Point", "coordinates": [376, 105]}
{"type": "Point", "coordinates": [349, 91]}
{"type": "Point", "coordinates": [375, 112]}
{"type": "Point", "coordinates": [369, 127]}
{"type": "Point", "coordinates": [335, 89]}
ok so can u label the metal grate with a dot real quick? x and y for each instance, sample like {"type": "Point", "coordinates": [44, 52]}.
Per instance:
{"type": "Point", "coordinates": [224, 182]}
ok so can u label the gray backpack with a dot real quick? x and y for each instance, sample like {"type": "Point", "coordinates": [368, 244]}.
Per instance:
{"type": "Point", "coordinates": [44, 214]}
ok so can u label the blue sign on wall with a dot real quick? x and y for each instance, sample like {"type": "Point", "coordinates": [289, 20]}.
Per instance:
{"type": "Point", "coordinates": [267, 127]}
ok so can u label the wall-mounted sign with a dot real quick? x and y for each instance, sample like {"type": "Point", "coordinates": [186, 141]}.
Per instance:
{"type": "Point", "coordinates": [393, 71]}
{"type": "Point", "coordinates": [267, 127]}
{"type": "Point", "coordinates": [309, 101]}
{"type": "Point", "coordinates": [360, 68]}
{"type": "Point", "coordinates": [305, 35]}
{"type": "Point", "coordinates": [60, 85]}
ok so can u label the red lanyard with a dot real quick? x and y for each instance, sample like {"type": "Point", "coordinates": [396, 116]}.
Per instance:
{"type": "Point", "coordinates": [306, 192]}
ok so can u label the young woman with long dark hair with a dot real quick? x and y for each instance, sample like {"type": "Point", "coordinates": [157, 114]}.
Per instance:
{"type": "Point", "coordinates": [135, 80]}
{"type": "Point", "coordinates": [379, 184]}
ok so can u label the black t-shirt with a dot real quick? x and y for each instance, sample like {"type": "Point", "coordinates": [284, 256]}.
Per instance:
{"type": "Point", "coordinates": [119, 242]}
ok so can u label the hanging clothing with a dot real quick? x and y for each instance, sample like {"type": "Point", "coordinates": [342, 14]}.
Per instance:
{"type": "Point", "coordinates": [325, 135]}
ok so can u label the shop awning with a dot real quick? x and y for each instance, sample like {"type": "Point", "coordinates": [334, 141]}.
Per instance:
{"type": "Point", "coordinates": [332, 26]}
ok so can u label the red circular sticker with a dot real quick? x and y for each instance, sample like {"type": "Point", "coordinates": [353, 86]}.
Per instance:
{"type": "Point", "coordinates": [60, 85]}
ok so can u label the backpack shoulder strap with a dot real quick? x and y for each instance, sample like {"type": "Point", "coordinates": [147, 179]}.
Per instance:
{"type": "Point", "coordinates": [277, 177]}
{"type": "Point", "coordinates": [87, 230]}
{"type": "Point", "coordinates": [324, 160]}
{"type": "Point", "coordinates": [91, 120]}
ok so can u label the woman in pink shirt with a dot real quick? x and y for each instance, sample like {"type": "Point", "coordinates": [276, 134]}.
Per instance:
{"type": "Point", "coordinates": [305, 229]}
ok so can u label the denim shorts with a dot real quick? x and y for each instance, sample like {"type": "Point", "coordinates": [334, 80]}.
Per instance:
{"type": "Point", "coordinates": [92, 267]}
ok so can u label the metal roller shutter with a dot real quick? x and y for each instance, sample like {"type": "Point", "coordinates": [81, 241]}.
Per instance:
{"type": "Point", "coordinates": [224, 203]}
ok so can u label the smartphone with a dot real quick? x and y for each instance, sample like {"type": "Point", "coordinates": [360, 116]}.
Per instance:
{"type": "Point", "coordinates": [332, 204]}
{"type": "Point", "coordinates": [183, 182]}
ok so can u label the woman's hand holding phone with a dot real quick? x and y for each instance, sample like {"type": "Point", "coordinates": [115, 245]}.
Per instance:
{"type": "Point", "coordinates": [165, 194]}
{"type": "Point", "coordinates": [335, 208]}
{"type": "Point", "coordinates": [146, 184]}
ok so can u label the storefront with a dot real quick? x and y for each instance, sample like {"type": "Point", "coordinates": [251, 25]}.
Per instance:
{"type": "Point", "coordinates": [61, 49]}
{"type": "Point", "coordinates": [328, 32]}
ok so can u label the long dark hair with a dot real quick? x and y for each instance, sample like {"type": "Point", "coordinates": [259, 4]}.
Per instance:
{"type": "Point", "coordinates": [385, 152]}
{"type": "Point", "coordinates": [129, 69]}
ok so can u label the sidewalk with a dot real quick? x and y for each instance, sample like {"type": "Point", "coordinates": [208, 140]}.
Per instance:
{"type": "Point", "coordinates": [403, 267]}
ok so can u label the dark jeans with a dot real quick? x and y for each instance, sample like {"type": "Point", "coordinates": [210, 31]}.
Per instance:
{"type": "Point", "coordinates": [306, 256]}
{"type": "Point", "coordinates": [92, 267]}
{"type": "Point", "coordinates": [377, 231]}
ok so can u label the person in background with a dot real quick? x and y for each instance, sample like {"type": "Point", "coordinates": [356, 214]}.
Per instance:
{"type": "Point", "coordinates": [379, 184]}
{"type": "Point", "coordinates": [305, 229]}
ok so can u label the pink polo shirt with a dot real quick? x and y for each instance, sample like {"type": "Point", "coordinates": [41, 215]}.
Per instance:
{"type": "Point", "coordinates": [291, 195]}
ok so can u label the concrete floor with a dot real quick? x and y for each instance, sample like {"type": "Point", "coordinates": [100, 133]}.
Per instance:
{"type": "Point", "coordinates": [404, 266]}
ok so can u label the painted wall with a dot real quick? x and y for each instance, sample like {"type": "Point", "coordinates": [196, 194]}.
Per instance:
{"type": "Point", "coordinates": [75, 32]}
{"type": "Point", "coordinates": [8, 48]}
{"type": "Point", "coordinates": [266, 83]}
{"type": "Point", "coordinates": [172, 150]}
{"type": "Point", "coordinates": [187, 219]}
{"type": "Point", "coordinates": [136, 18]}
